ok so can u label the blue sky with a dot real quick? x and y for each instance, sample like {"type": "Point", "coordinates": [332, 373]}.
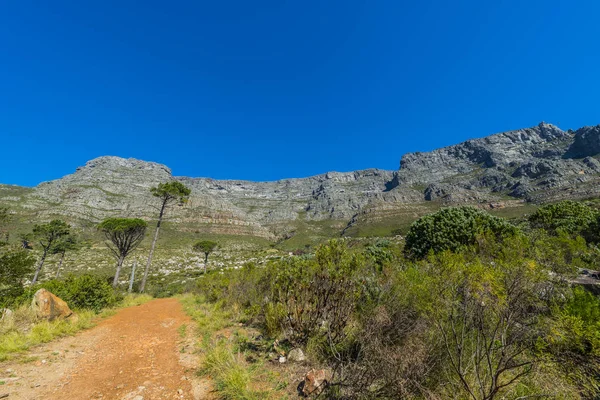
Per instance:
{"type": "Point", "coordinates": [263, 90]}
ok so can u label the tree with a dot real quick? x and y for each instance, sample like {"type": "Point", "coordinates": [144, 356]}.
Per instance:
{"type": "Point", "coordinates": [568, 216]}
{"type": "Point", "coordinates": [67, 243]}
{"type": "Point", "coordinates": [48, 235]}
{"type": "Point", "coordinates": [124, 235]}
{"type": "Point", "coordinates": [15, 265]}
{"type": "Point", "coordinates": [453, 229]}
{"type": "Point", "coordinates": [169, 193]}
{"type": "Point", "coordinates": [206, 247]}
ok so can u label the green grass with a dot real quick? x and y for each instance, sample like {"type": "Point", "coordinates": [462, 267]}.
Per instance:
{"type": "Point", "coordinates": [182, 330]}
{"type": "Point", "coordinates": [19, 335]}
{"type": "Point", "coordinates": [24, 330]}
{"type": "Point", "coordinates": [234, 377]}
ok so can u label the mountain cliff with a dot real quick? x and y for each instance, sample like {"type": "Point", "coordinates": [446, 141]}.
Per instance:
{"type": "Point", "coordinates": [537, 164]}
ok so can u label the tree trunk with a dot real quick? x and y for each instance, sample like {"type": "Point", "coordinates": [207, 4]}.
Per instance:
{"type": "Point", "coordinates": [132, 277]}
{"type": "Point", "coordinates": [119, 265]}
{"type": "Point", "coordinates": [205, 262]}
{"type": "Point", "coordinates": [62, 257]}
{"type": "Point", "coordinates": [39, 268]}
{"type": "Point", "coordinates": [160, 217]}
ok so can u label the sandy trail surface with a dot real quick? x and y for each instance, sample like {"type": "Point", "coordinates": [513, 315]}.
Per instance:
{"type": "Point", "coordinates": [141, 353]}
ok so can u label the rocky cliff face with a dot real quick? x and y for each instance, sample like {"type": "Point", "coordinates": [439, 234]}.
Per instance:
{"type": "Point", "coordinates": [537, 164]}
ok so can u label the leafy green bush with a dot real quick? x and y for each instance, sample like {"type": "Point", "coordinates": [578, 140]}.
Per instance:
{"type": "Point", "coordinates": [85, 291]}
{"type": "Point", "coordinates": [319, 294]}
{"type": "Point", "coordinates": [15, 265]}
{"type": "Point", "coordinates": [453, 229]}
{"type": "Point", "coordinates": [592, 232]}
{"type": "Point", "coordinates": [567, 216]}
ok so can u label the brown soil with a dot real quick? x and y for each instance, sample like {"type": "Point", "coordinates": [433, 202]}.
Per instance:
{"type": "Point", "coordinates": [139, 353]}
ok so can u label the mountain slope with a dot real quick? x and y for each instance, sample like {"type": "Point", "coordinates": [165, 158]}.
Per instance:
{"type": "Point", "coordinates": [537, 164]}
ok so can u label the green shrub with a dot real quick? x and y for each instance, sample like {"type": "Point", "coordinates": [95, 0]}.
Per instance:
{"type": "Point", "coordinates": [567, 216]}
{"type": "Point", "coordinates": [319, 294]}
{"type": "Point", "coordinates": [15, 265]}
{"type": "Point", "coordinates": [85, 291]}
{"type": "Point", "coordinates": [453, 229]}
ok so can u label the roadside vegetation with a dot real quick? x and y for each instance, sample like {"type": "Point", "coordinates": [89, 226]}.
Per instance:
{"type": "Point", "coordinates": [471, 307]}
{"type": "Point", "coordinates": [467, 305]}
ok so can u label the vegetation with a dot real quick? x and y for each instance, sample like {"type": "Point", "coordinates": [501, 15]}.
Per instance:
{"type": "Point", "coordinates": [48, 235]}
{"type": "Point", "coordinates": [206, 247]}
{"type": "Point", "coordinates": [226, 361]}
{"type": "Point", "coordinates": [124, 235]}
{"type": "Point", "coordinates": [470, 306]}
{"type": "Point", "coordinates": [15, 265]}
{"type": "Point", "coordinates": [567, 216]}
{"type": "Point", "coordinates": [23, 330]}
{"type": "Point", "coordinates": [484, 312]}
{"type": "Point", "coordinates": [4, 219]}
{"type": "Point", "coordinates": [88, 292]}
{"type": "Point", "coordinates": [453, 229]}
{"type": "Point", "coordinates": [168, 193]}
{"type": "Point", "coordinates": [64, 245]}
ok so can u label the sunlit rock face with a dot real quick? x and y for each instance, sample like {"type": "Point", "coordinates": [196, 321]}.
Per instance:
{"type": "Point", "coordinates": [538, 164]}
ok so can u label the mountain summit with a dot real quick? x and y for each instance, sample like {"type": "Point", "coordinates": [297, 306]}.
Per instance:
{"type": "Point", "coordinates": [537, 164]}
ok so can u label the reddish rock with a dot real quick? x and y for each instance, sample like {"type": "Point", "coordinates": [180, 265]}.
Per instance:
{"type": "Point", "coordinates": [47, 305]}
{"type": "Point", "coordinates": [314, 382]}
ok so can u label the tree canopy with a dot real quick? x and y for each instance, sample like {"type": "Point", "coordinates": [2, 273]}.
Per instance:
{"type": "Point", "coordinates": [205, 246]}
{"type": "Point", "coordinates": [48, 234]}
{"type": "Point", "coordinates": [171, 191]}
{"type": "Point", "coordinates": [15, 265]}
{"type": "Point", "coordinates": [124, 234]}
{"type": "Point", "coordinates": [568, 216]}
{"type": "Point", "coordinates": [452, 229]}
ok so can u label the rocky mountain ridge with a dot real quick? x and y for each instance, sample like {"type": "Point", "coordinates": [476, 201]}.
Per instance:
{"type": "Point", "coordinates": [537, 164]}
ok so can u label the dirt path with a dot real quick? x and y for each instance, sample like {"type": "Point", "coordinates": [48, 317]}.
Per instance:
{"type": "Point", "coordinates": [142, 352]}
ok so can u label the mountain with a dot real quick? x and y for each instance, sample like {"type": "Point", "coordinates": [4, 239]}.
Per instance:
{"type": "Point", "coordinates": [537, 164]}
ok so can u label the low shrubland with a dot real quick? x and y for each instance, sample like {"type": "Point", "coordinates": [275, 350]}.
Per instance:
{"type": "Point", "coordinates": [487, 311]}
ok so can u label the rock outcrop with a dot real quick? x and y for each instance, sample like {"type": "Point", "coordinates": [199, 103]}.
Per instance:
{"type": "Point", "coordinates": [538, 164]}
{"type": "Point", "coordinates": [48, 306]}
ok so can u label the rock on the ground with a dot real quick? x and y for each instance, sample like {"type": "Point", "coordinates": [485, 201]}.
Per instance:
{"type": "Point", "coordinates": [314, 382]}
{"type": "Point", "coordinates": [49, 306]}
{"type": "Point", "coordinates": [296, 355]}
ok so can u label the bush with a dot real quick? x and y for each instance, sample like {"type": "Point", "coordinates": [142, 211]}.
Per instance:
{"type": "Point", "coordinates": [320, 294]}
{"type": "Point", "coordinates": [567, 216]}
{"type": "Point", "coordinates": [15, 265]}
{"type": "Point", "coordinates": [85, 291]}
{"type": "Point", "coordinates": [453, 229]}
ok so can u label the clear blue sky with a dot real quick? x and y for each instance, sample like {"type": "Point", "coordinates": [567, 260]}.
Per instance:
{"type": "Point", "coordinates": [263, 90]}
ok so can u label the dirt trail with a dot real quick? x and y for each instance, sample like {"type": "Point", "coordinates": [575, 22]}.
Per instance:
{"type": "Point", "coordinates": [139, 353]}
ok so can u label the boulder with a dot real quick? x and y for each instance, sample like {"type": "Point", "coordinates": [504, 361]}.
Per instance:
{"type": "Point", "coordinates": [296, 355]}
{"type": "Point", "coordinates": [47, 305]}
{"type": "Point", "coordinates": [314, 382]}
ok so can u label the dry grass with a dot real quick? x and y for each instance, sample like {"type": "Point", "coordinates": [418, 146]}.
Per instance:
{"type": "Point", "coordinates": [234, 377]}
{"type": "Point", "coordinates": [23, 330]}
